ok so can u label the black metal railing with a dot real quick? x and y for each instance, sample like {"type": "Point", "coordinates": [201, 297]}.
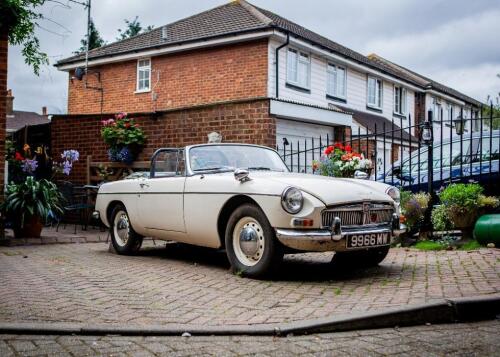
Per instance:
{"type": "Point", "coordinates": [457, 150]}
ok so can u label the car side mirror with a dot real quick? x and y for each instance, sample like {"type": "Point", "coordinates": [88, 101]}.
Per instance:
{"type": "Point", "coordinates": [241, 175]}
{"type": "Point", "coordinates": [396, 172]}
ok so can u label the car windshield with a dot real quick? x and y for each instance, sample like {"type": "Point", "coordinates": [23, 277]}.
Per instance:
{"type": "Point", "coordinates": [219, 158]}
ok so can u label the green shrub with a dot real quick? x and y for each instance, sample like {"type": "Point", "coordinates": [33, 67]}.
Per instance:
{"type": "Point", "coordinates": [463, 195]}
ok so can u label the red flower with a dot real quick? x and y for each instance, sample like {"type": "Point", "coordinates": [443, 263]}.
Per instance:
{"type": "Point", "coordinates": [328, 150]}
{"type": "Point", "coordinates": [127, 125]}
{"type": "Point", "coordinates": [19, 157]}
{"type": "Point", "coordinates": [339, 146]}
{"type": "Point", "coordinates": [348, 148]}
{"type": "Point", "coordinates": [136, 125]}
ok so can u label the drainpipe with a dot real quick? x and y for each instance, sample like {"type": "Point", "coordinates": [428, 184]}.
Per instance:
{"type": "Point", "coordinates": [278, 64]}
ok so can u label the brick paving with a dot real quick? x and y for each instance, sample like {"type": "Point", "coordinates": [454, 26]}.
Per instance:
{"type": "Point", "coordinates": [478, 339]}
{"type": "Point", "coordinates": [180, 284]}
{"type": "Point", "coordinates": [65, 234]}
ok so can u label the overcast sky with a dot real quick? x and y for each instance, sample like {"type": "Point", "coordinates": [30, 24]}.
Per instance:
{"type": "Point", "coordinates": [455, 42]}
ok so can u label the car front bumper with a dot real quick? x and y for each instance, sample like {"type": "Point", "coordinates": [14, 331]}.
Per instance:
{"type": "Point", "coordinates": [324, 240]}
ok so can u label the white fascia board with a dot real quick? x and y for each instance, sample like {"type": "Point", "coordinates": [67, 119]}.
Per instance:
{"type": "Point", "coordinates": [444, 96]}
{"type": "Point", "coordinates": [168, 49]}
{"type": "Point", "coordinates": [309, 114]}
{"type": "Point", "coordinates": [342, 60]}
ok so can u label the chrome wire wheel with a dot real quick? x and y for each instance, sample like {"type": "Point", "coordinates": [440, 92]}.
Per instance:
{"type": "Point", "coordinates": [248, 241]}
{"type": "Point", "coordinates": [121, 227]}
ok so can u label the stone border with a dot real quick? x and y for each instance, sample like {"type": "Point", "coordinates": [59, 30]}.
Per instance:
{"type": "Point", "coordinates": [443, 311]}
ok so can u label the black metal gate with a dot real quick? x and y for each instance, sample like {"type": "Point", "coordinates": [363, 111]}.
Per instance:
{"type": "Point", "coordinates": [417, 156]}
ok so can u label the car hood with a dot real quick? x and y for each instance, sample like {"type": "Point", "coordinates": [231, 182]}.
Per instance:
{"type": "Point", "coordinates": [333, 190]}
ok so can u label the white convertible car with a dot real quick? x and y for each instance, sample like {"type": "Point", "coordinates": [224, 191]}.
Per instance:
{"type": "Point", "coordinates": [244, 199]}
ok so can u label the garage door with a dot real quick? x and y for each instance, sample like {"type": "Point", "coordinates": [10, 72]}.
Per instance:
{"type": "Point", "coordinates": [301, 136]}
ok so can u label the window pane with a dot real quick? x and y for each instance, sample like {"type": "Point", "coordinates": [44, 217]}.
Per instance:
{"type": "Point", "coordinates": [304, 74]}
{"type": "Point", "coordinates": [403, 101]}
{"type": "Point", "coordinates": [371, 91]}
{"type": "Point", "coordinates": [379, 93]}
{"type": "Point", "coordinates": [292, 66]}
{"type": "Point", "coordinates": [340, 82]}
{"type": "Point", "coordinates": [331, 80]}
{"type": "Point", "coordinates": [396, 100]}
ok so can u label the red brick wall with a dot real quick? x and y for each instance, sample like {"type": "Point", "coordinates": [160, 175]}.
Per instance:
{"type": "Point", "coordinates": [4, 46]}
{"type": "Point", "coordinates": [237, 71]}
{"type": "Point", "coordinates": [3, 101]}
{"type": "Point", "coordinates": [246, 122]}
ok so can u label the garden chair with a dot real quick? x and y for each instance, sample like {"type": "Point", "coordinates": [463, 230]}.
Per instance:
{"type": "Point", "coordinates": [76, 202]}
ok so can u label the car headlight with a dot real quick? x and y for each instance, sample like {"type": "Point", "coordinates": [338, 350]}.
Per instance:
{"type": "Point", "coordinates": [292, 200]}
{"type": "Point", "coordinates": [393, 192]}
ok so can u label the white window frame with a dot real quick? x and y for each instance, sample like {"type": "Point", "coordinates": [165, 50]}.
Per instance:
{"type": "Point", "coordinates": [140, 69]}
{"type": "Point", "coordinates": [299, 59]}
{"type": "Point", "coordinates": [332, 77]}
{"type": "Point", "coordinates": [400, 100]}
{"type": "Point", "coordinates": [378, 94]}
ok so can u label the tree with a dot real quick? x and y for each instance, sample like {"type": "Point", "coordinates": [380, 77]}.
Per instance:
{"type": "Point", "coordinates": [132, 29]}
{"type": "Point", "coordinates": [96, 40]}
{"type": "Point", "coordinates": [18, 19]}
{"type": "Point", "coordinates": [492, 110]}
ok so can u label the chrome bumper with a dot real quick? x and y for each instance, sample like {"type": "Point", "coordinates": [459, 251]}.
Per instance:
{"type": "Point", "coordinates": [323, 240]}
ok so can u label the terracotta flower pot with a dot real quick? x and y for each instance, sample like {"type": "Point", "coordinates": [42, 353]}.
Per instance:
{"type": "Point", "coordinates": [32, 228]}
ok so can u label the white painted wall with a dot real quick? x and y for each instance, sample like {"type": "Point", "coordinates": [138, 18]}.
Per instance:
{"type": "Point", "coordinates": [356, 87]}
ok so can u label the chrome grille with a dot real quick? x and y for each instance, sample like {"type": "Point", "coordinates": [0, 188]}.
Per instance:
{"type": "Point", "coordinates": [358, 214]}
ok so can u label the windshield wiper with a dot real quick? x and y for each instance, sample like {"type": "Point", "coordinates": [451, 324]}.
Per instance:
{"type": "Point", "coordinates": [222, 168]}
{"type": "Point", "coordinates": [262, 168]}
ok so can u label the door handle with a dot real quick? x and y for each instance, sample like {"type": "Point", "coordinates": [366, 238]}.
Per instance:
{"type": "Point", "coordinates": [143, 185]}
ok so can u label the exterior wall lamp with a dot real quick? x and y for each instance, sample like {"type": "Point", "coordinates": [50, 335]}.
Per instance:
{"type": "Point", "coordinates": [459, 125]}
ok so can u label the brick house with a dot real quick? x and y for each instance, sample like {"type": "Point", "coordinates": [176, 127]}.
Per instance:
{"type": "Point", "coordinates": [236, 69]}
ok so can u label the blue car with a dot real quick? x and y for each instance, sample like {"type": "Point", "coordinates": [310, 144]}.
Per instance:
{"type": "Point", "coordinates": [462, 159]}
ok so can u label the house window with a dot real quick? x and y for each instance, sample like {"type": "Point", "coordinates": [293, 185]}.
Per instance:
{"type": "Point", "coordinates": [298, 68]}
{"type": "Point", "coordinates": [374, 93]}
{"type": "Point", "coordinates": [400, 100]}
{"type": "Point", "coordinates": [437, 111]}
{"type": "Point", "coordinates": [336, 81]}
{"type": "Point", "coordinates": [143, 75]}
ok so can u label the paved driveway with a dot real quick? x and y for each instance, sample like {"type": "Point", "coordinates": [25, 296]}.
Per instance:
{"type": "Point", "coordinates": [183, 284]}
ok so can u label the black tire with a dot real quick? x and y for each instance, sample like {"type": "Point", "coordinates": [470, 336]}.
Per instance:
{"type": "Point", "coordinates": [269, 252]}
{"type": "Point", "coordinates": [134, 241]}
{"type": "Point", "coordinates": [361, 258]}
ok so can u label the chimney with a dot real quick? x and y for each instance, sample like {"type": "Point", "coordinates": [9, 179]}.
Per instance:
{"type": "Point", "coordinates": [10, 102]}
{"type": "Point", "coordinates": [44, 111]}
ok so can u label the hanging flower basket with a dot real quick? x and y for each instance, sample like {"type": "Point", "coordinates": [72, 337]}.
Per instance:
{"type": "Point", "coordinates": [124, 137]}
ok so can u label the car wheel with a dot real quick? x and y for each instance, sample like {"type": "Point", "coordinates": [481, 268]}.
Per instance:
{"type": "Point", "coordinates": [361, 258]}
{"type": "Point", "coordinates": [251, 245]}
{"type": "Point", "coordinates": [123, 237]}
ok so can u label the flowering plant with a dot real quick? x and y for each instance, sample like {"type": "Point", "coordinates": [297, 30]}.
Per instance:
{"type": "Point", "coordinates": [66, 165]}
{"type": "Point", "coordinates": [123, 136]}
{"type": "Point", "coordinates": [341, 161]}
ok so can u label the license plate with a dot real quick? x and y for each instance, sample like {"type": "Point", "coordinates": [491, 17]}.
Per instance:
{"type": "Point", "coordinates": [368, 240]}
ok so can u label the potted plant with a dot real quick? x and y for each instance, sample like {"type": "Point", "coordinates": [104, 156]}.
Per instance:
{"type": "Point", "coordinates": [413, 208]}
{"type": "Point", "coordinates": [124, 137]}
{"type": "Point", "coordinates": [29, 203]}
{"type": "Point", "coordinates": [464, 204]}
{"type": "Point", "coordinates": [341, 161]}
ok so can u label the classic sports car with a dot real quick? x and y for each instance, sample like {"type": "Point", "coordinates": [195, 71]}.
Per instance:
{"type": "Point", "coordinates": [244, 199]}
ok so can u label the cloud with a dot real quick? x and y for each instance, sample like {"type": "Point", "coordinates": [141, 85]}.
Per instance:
{"type": "Point", "coordinates": [453, 42]}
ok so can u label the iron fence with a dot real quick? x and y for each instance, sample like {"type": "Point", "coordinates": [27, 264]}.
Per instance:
{"type": "Point", "coordinates": [458, 150]}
